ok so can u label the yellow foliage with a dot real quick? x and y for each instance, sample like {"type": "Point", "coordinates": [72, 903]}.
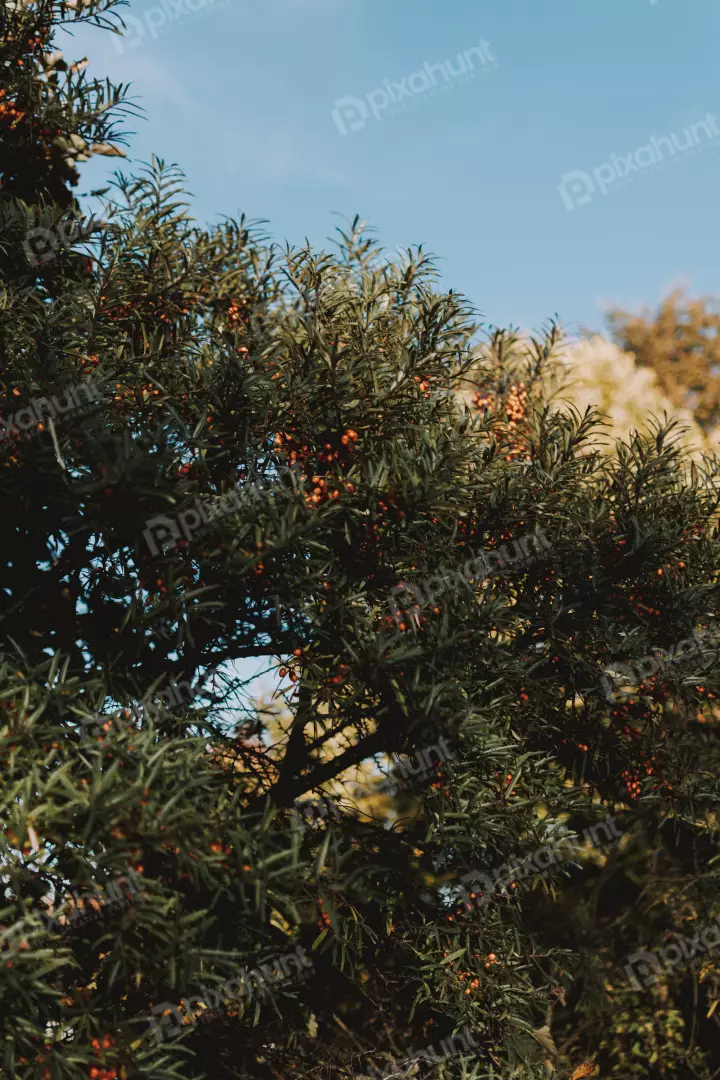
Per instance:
{"type": "Point", "coordinates": [597, 372]}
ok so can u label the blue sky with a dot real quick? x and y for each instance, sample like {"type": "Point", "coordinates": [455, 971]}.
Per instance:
{"type": "Point", "coordinates": [241, 95]}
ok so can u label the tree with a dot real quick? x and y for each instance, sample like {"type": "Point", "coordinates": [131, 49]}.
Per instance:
{"type": "Point", "coordinates": [264, 455]}
{"type": "Point", "coordinates": [680, 342]}
{"type": "Point", "coordinates": [51, 120]}
{"type": "Point", "coordinates": [596, 372]}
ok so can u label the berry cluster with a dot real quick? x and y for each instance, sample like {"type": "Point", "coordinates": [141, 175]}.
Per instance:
{"type": "Point", "coordinates": [510, 413]}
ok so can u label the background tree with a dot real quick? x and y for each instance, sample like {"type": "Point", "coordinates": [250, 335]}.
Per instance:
{"type": "Point", "coordinates": [681, 343]}
{"type": "Point", "coordinates": [595, 372]}
{"type": "Point", "coordinates": [321, 388]}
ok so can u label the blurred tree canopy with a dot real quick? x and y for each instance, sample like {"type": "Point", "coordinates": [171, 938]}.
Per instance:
{"type": "Point", "coordinates": [680, 342]}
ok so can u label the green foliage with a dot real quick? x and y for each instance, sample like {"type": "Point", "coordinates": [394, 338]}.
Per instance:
{"type": "Point", "coordinates": [217, 361]}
